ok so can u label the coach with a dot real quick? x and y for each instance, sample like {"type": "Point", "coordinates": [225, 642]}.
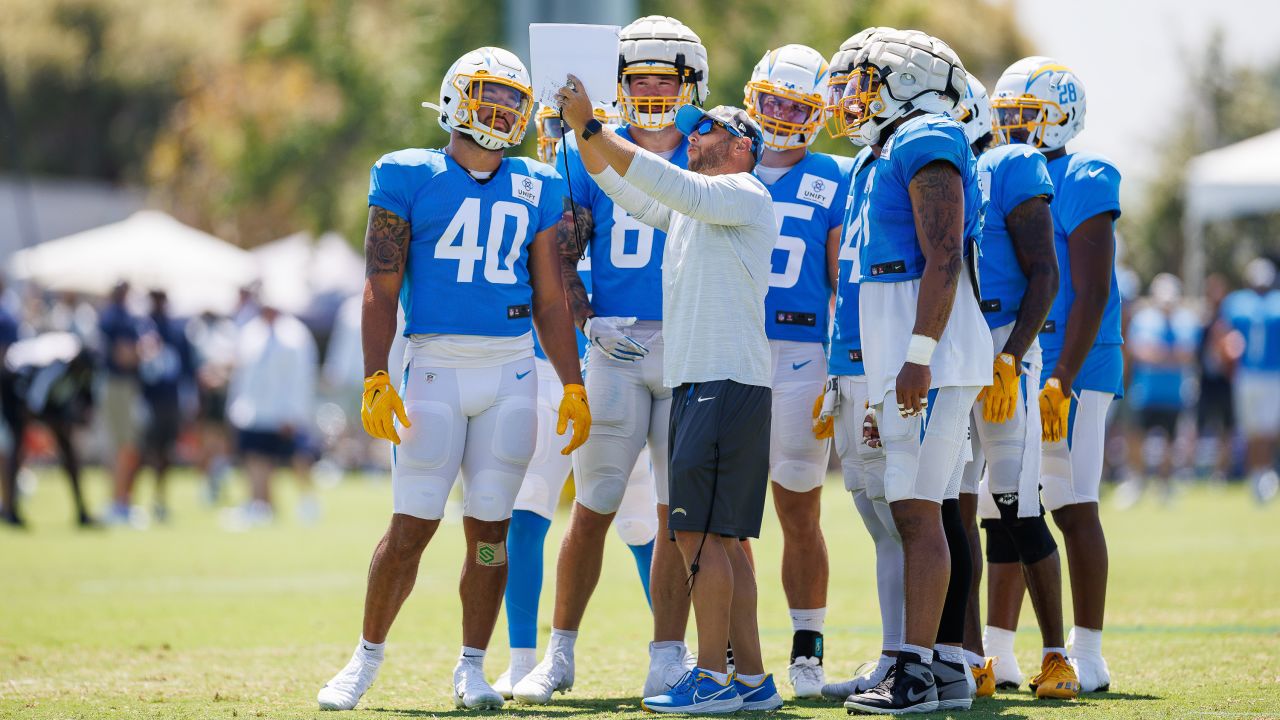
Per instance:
{"type": "Point", "coordinates": [720, 230]}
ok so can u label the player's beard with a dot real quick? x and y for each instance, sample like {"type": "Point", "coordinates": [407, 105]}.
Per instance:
{"type": "Point", "coordinates": [710, 156]}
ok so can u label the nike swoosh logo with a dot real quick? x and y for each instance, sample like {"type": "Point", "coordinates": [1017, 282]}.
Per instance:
{"type": "Point", "coordinates": [521, 375]}
{"type": "Point", "coordinates": [1096, 172]}
{"type": "Point", "coordinates": [797, 366]}
{"type": "Point", "coordinates": [914, 696]}
{"type": "Point", "coordinates": [702, 399]}
{"type": "Point", "coordinates": [679, 511]}
{"type": "Point", "coordinates": [366, 647]}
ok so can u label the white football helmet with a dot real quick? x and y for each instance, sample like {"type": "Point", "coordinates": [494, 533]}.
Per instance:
{"type": "Point", "coordinates": [974, 111]}
{"type": "Point", "coordinates": [491, 81]}
{"type": "Point", "coordinates": [659, 45]}
{"type": "Point", "coordinates": [899, 72]}
{"type": "Point", "coordinates": [786, 96]}
{"type": "Point", "coordinates": [1038, 101]}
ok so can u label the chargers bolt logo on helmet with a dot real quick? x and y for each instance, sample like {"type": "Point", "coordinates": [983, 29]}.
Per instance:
{"type": "Point", "coordinates": [1038, 101]}
{"type": "Point", "coordinates": [660, 46]}
{"type": "Point", "coordinates": [786, 96]}
{"type": "Point", "coordinates": [487, 95]}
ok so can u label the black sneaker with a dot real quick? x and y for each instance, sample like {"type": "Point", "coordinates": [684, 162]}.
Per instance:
{"type": "Point", "coordinates": [952, 680]}
{"type": "Point", "coordinates": [910, 688]}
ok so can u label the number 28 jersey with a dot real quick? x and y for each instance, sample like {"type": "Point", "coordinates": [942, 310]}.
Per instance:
{"type": "Point", "coordinates": [468, 271]}
{"type": "Point", "coordinates": [626, 254]}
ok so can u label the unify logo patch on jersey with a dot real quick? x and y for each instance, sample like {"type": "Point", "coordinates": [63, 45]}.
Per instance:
{"type": "Point", "coordinates": [814, 189]}
{"type": "Point", "coordinates": [528, 189]}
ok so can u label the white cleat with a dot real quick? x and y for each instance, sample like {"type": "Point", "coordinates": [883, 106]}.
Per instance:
{"type": "Point", "coordinates": [1008, 675]}
{"type": "Point", "coordinates": [555, 672]}
{"type": "Point", "coordinates": [863, 682]}
{"type": "Point", "coordinates": [350, 684]}
{"type": "Point", "coordinates": [807, 677]}
{"type": "Point", "coordinates": [471, 691]}
{"type": "Point", "coordinates": [666, 667]}
{"type": "Point", "coordinates": [1093, 673]}
{"type": "Point", "coordinates": [509, 677]}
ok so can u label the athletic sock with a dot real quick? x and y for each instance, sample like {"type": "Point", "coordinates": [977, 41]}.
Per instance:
{"type": "Point", "coordinates": [644, 560]}
{"type": "Point", "coordinates": [371, 650]}
{"type": "Point", "coordinates": [472, 656]}
{"type": "Point", "coordinates": [524, 657]}
{"type": "Point", "coordinates": [1086, 642]}
{"type": "Point", "coordinates": [950, 653]}
{"type": "Point", "coordinates": [925, 654]}
{"type": "Point", "coordinates": [562, 640]}
{"type": "Point", "coordinates": [664, 644]}
{"type": "Point", "coordinates": [1044, 653]}
{"type": "Point", "coordinates": [806, 643]}
{"type": "Point", "coordinates": [974, 659]}
{"type": "Point", "coordinates": [752, 679]}
{"type": "Point", "coordinates": [811, 619]}
{"type": "Point", "coordinates": [722, 678]}
{"type": "Point", "coordinates": [526, 537]}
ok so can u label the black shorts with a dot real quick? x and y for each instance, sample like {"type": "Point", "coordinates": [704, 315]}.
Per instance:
{"type": "Point", "coordinates": [1162, 418]}
{"type": "Point", "coordinates": [719, 457]}
{"type": "Point", "coordinates": [1215, 411]}
{"type": "Point", "coordinates": [164, 420]}
{"type": "Point", "coordinates": [275, 445]}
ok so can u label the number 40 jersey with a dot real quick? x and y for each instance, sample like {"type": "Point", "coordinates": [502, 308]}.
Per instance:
{"type": "Point", "coordinates": [468, 271]}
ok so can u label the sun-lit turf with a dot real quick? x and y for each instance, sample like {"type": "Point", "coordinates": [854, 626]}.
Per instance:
{"type": "Point", "coordinates": [191, 621]}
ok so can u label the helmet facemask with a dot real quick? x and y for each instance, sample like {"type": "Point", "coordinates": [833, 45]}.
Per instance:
{"type": "Point", "coordinates": [788, 119]}
{"type": "Point", "coordinates": [859, 104]}
{"type": "Point", "coordinates": [487, 103]}
{"type": "Point", "coordinates": [654, 111]}
{"type": "Point", "coordinates": [1024, 119]}
{"type": "Point", "coordinates": [550, 133]}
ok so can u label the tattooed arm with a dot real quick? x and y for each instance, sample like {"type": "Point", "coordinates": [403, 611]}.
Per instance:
{"type": "Point", "coordinates": [937, 202]}
{"type": "Point", "coordinates": [1031, 230]}
{"type": "Point", "coordinates": [574, 290]}
{"type": "Point", "coordinates": [386, 253]}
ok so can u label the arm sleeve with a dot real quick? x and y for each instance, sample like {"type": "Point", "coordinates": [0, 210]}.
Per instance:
{"type": "Point", "coordinates": [387, 188]}
{"type": "Point", "coordinates": [719, 200]}
{"type": "Point", "coordinates": [642, 206]}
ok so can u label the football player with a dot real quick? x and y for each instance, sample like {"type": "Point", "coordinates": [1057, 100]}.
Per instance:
{"type": "Point", "coordinates": [786, 96]}
{"type": "Point", "coordinates": [1254, 315]}
{"type": "Point", "coordinates": [539, 494]}
{"type": "Point", "coordinates": [1041, 103]}
{"type": "Point", "coordinates": [844, 400]}
{"type": "Point", "coordinates": [465, 238]}
{"type": "Point", "coordinates": [1019, 279]}
{"type": "Point", "coordinates": [918, 298]}
{"type": "Point", "coordinates": [662, 66]}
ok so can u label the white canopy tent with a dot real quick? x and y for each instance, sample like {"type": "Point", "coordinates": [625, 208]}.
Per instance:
{"type": "Point", "coordinates": [149, 249]}
{"type": "Point", "coordinates": [1234, 181]}
{"type": "Point", "coordinates": [297, 268]}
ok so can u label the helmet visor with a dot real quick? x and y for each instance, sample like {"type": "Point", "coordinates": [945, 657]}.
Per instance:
{"type": "Point", "coordinates": [649, 94]}
{"type": "Point", "coordinates": [859, 103]}
{"type": "Point", "coordinates": [498, 107]}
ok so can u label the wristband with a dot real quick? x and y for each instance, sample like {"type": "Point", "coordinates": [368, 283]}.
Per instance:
{"type": "Point", "coordinates": [920, 349]}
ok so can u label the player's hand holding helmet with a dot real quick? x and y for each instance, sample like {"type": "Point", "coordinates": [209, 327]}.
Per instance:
{"type": "Point", "coordinates": [380, 407]}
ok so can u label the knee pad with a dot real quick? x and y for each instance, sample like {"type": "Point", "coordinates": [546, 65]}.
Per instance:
{"type": "Point", "coordinates": [490, 495]}
{"type": "Point", "coordinates": [1000, 547]}
{"type": "Point", "coordinates": [516, 431]}
{"type": "Point", "coordinates": [1031, 538]}
{"type": "Point", "coordinates": [599, 475]}
{"type": "Point", "coordinates": [428, 441]}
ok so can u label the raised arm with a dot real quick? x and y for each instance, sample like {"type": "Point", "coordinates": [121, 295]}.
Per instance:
{"type": "Point", "coordinates": [640, 205]}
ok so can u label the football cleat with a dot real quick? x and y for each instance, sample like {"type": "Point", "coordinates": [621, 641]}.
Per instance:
{"type": "Point", "coordinates": [1092, 673]}
{"type": "Point", "coordinates": [1008, 675]}
{"type": "Point", "coordinates": [697, 693]}
{"type": "Point", "coordinates": [346, 688]}
{"type": "Point", "coordinates": [984, 676]}
{"type": "Point", "coordinates": [666, 668]}
{"type": "Point", "coordinates": [555, 672]}
{"type": "Point", "coordinates": [471, 691]}
{"type": "Point", "coordinates": [761, 696]}
{"type": "Point", "coordinates": [807, 677]}
{"type": "Point", "coordinates": [910, 688]}
{"type": "Point", "coordinates": [509, 677]}
{"type": "Point", "coordinates": [1057, 679]}
{"type": "Point", "coordinates": [869, 676]}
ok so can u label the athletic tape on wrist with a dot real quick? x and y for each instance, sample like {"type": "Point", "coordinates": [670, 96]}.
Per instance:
{"type": "Point", "coordinates": [920, 349]}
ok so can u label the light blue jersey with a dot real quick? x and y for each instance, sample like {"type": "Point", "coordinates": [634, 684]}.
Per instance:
{"type": "Point", "coordinates": [891, 252]}
{"type": "Point", "coordinates": [1162, 386]}
{"type": "Point", "coordinates": [468, 271]}
{"type": "Point", "coordinates": [845, 356]}
{"type": "Point", "coordinates": [1084, 185]}
{"type": "Point", "coordinates": [1257, 318]}
{"type": "Point", "coordinates": [626, 254]}
{"type": "Point", "coordinates": [1009, 175]}
{"type": "Point", "coordinates": [808, 203]}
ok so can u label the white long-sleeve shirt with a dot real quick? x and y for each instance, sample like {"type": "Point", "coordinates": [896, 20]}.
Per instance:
{"type": "Point", "coordinates": [274, 382]}
{"type": "Point", "coordinates": [715, 269]}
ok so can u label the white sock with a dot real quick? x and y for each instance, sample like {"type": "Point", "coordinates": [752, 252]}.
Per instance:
{"type": "Point", "coordinates": [722, 678]}
{"type": "Point", "coordinates": [1044, 653]}
{"type": "Point", "coordinates": [664, 644]}
{"type": "Point", "coordinates": [811, 619]}
{"type": "Point", "coordinates": [371, 650]}
{"type": "Point", "coordinates": [975, 660]}
{"type": "Point", "coordinates": [562, 640]}
{"type": "Point", "coordinates": [998, 641]}
{"type": "Point", "coordinates": [752, 679]}
{"type": "Point", "coordinates": [926, 655]}
{"type": "Point", "coordinates": [524, 657]}
{"type": "Point", "coordinates": [950, 653]}
{"type": "Point", "coordinates": [1086, 643]}
{"type": "Point", "coordinates": [471, 656]}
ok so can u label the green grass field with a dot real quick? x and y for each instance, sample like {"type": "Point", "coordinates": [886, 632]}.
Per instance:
{"type": "Point", "coordinates": [190, 621]}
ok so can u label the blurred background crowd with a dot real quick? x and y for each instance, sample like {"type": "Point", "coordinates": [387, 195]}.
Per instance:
{"type": "Point", "coordinates": [182, 201]}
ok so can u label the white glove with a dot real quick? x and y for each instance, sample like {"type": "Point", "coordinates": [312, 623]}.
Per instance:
{"type": "Point", "coordinates": [830, 398]}
{"type": "Point", "coordinates": [606, 334]}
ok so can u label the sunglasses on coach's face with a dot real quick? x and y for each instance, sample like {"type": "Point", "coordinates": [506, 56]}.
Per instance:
{"type": "Point", "coordinates": [707, 125]}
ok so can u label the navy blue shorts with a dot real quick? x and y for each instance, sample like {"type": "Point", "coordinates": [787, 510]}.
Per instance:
{"type": "Point", "coordinates": [275, 445]}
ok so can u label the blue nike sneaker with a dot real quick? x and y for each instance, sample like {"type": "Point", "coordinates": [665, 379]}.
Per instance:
{"type": "Point", "coordinates": [696, 693]}
{"type": "Point", "coordinates": [761, 696]}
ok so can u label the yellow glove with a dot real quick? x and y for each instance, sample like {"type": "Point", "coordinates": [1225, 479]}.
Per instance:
{"type": "Point", "coordinates": [1000, 399]}
{"type": "Point", "coordinates": [381, 407]}
{"type": "Point", "coordinates": [823, 427]}
{"type": "Point", "coordinates": [1055, 408]}
{"type": "Point", "coordinates": [573, 406]}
